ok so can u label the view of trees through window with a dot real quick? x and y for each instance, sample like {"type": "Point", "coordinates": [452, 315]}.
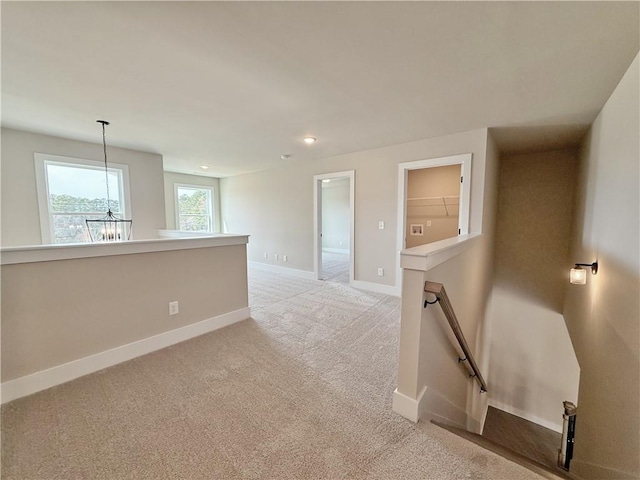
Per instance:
{"type": "Point", "coordinates": [194, 209]}
{"type": "Point", "coordinates": [68, 215]}
{"type": "Point", "coordinates": [78, 192]}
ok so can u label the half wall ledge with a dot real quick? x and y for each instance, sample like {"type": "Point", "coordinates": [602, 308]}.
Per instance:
{"type": "Point", "coordinates": [45, 253]}
{"type": "Point", "coordinates": [425, 257]}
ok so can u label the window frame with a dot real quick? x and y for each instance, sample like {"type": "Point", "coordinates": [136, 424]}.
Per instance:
{"type": "Point", "coordinates": [212, 205]}
{"type": "Point", "coordinates": [42, 187]}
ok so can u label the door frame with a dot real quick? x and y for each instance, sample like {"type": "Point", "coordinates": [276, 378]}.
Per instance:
{"type": "Point", "coordinates": [317, 220]}
{"type": "Point", "coordinates": [464, 160]}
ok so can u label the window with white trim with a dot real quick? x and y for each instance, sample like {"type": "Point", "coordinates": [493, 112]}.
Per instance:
{"type": "Point", "coordinates": [71, 190]}
{"type": "Point", "coordinates": [194, 208]}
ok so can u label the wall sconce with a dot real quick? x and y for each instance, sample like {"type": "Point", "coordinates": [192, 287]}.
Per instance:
{"type": "Point", "coordinates": [578, 274]}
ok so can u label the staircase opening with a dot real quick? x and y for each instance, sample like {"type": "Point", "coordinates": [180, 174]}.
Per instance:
{"type": "Point", "coordinates": [537, 443]}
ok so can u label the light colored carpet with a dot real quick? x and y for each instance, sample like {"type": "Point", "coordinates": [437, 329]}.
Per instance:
{"type": "Point", "coordinates": [335, 267]}
{"type": "Point", "coordinates": [302, 390]}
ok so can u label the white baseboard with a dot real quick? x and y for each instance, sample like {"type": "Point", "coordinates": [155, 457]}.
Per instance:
{"type": "Point", "coordinates": [267, 267]}
{"type": "Point", "coordinates": [336, 250]}
{"type": "Point", "coordinates": [369, 286]}
{"type": "Point", "coordinates": [556, 427]}
{"type": "Point", "coordinates": [406, 406]}
{"type": "Point", "coordinates": [376, 287]}
{"type": "Point", "coordinates": [51, 377]}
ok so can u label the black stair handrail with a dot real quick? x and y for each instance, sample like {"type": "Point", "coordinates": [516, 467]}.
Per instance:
{"type": "Point", "coordinates": [441, 297]}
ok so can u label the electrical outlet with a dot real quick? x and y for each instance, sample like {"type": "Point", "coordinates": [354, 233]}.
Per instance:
{"type": "Point", "coordinates": [276, 257]}
{"type": "Point", "coordinates": [380, 272]}
{"type": "Point", "coordinates": [381, 225]}
{"type": "Point", "coordinates": [173, 308]}
{"type": "Point", "coordinates": [266, 255]}
{"type": "Point", "coordinates": [428, 223]}
{"type": "Point", "coordinates": [284, 258]}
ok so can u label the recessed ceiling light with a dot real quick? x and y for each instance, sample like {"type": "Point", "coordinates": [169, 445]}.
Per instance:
{"type": "Point", "coordinates": [204, 167]}
{"type": "Point", "coordinates": [309, 140]}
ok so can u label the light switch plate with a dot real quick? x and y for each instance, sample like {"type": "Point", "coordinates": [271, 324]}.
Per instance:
{"type": "Point", "coordinates": [173, 308]}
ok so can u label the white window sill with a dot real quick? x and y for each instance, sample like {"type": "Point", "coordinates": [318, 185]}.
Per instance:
{"type": "Point", "coordinates": [425, 257]}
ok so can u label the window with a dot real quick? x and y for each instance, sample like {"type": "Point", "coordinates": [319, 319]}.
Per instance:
{"type": "Point", "coordinates": [71, 190]}
{"type": "Point", "coordinates": [194, 208]}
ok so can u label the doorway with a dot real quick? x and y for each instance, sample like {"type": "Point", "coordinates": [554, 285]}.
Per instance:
{"type": "Point", "coordinates": [334, 208]}
{"type": "Point", "coordinates": [432, 207]}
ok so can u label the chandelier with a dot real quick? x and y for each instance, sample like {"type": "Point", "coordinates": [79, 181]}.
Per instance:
{"type": "Point", "coordinates": [109, 228]}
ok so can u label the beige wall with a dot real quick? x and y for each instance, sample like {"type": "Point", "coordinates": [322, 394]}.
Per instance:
{"type": "Point", "coordinates": [19, 200]}
{"type": "Point", "coordinates": [171, 178]}
{"type": "Point", "coordinates": [432, 182]}
{"type": "Point", "coordinates": [58, 311]}
{"type": "Point", "coordinates": [276, 206]}
{"type": "Point", "coordinates": [533, 366]}
{"type": "Point", "coordinates": [336, 214]}
{"type": "Point", "coordinates": [603, 317]}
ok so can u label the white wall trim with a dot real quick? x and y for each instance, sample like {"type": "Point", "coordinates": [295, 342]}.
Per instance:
{"type": "Point", "coordinates": [317, 221]}
{"type": "Point", "coordinates": [556, 427]}
{"type": "Point", "coordinates": [406, 406]}
{"type": "Point", "coordinates": [212, 204]}
{"type": "Point", "coordinates": [285, 270]}
{"type": "Point", "coordinates": [66, 372]}
{"type": "Point", "coordinates": [376, 287]}
{"type": "Point", "coordinates": [424, 407]}
{"type": "Point", "coordinates": [42, 187]}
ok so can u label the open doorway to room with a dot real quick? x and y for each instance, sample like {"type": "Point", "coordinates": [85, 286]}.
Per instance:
{"type": "Point", "coordinates": [434, 199]}
{"type": "Point", "coordinates": [334, 226]}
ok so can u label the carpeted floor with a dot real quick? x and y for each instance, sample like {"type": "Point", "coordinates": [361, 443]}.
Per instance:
{"type": "Point", "coordinates": [335, 267]}
{"type": "Point", "coordinates": [302, 390]}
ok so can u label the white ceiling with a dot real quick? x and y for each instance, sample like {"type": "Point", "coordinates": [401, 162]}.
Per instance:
{"type": "Point", "coordinates": [236, 85]}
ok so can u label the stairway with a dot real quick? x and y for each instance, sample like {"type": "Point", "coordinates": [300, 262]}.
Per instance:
{"type": "Point", "coordinates": [523, 442]}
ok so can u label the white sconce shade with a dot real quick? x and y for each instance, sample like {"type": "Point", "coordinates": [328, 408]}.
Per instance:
{"type": "Point", "coordinates": [578, 276]}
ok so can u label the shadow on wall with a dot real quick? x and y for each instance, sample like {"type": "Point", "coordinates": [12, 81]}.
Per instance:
{"type": "Point", "coordinates": [534, 223]}
{"type": "Point", "coordinates": [602, 318]}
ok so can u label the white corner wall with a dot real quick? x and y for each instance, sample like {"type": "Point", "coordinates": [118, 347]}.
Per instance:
{"type": "Point", "coordinates": [603, 317]}
{"type": "Point", "coordinates": [432, 384]}
{"type": "Point", "coordinates": [533, 365]}
{"type": "Point", "coordinates": [19, 200]}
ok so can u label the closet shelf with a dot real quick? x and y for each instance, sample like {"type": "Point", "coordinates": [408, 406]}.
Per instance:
{"type": "Point", "coordinates": [442, 202]}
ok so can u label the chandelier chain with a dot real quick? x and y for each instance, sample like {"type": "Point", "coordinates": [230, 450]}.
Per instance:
{"type": "Point", "coordinates": [106, 171]}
